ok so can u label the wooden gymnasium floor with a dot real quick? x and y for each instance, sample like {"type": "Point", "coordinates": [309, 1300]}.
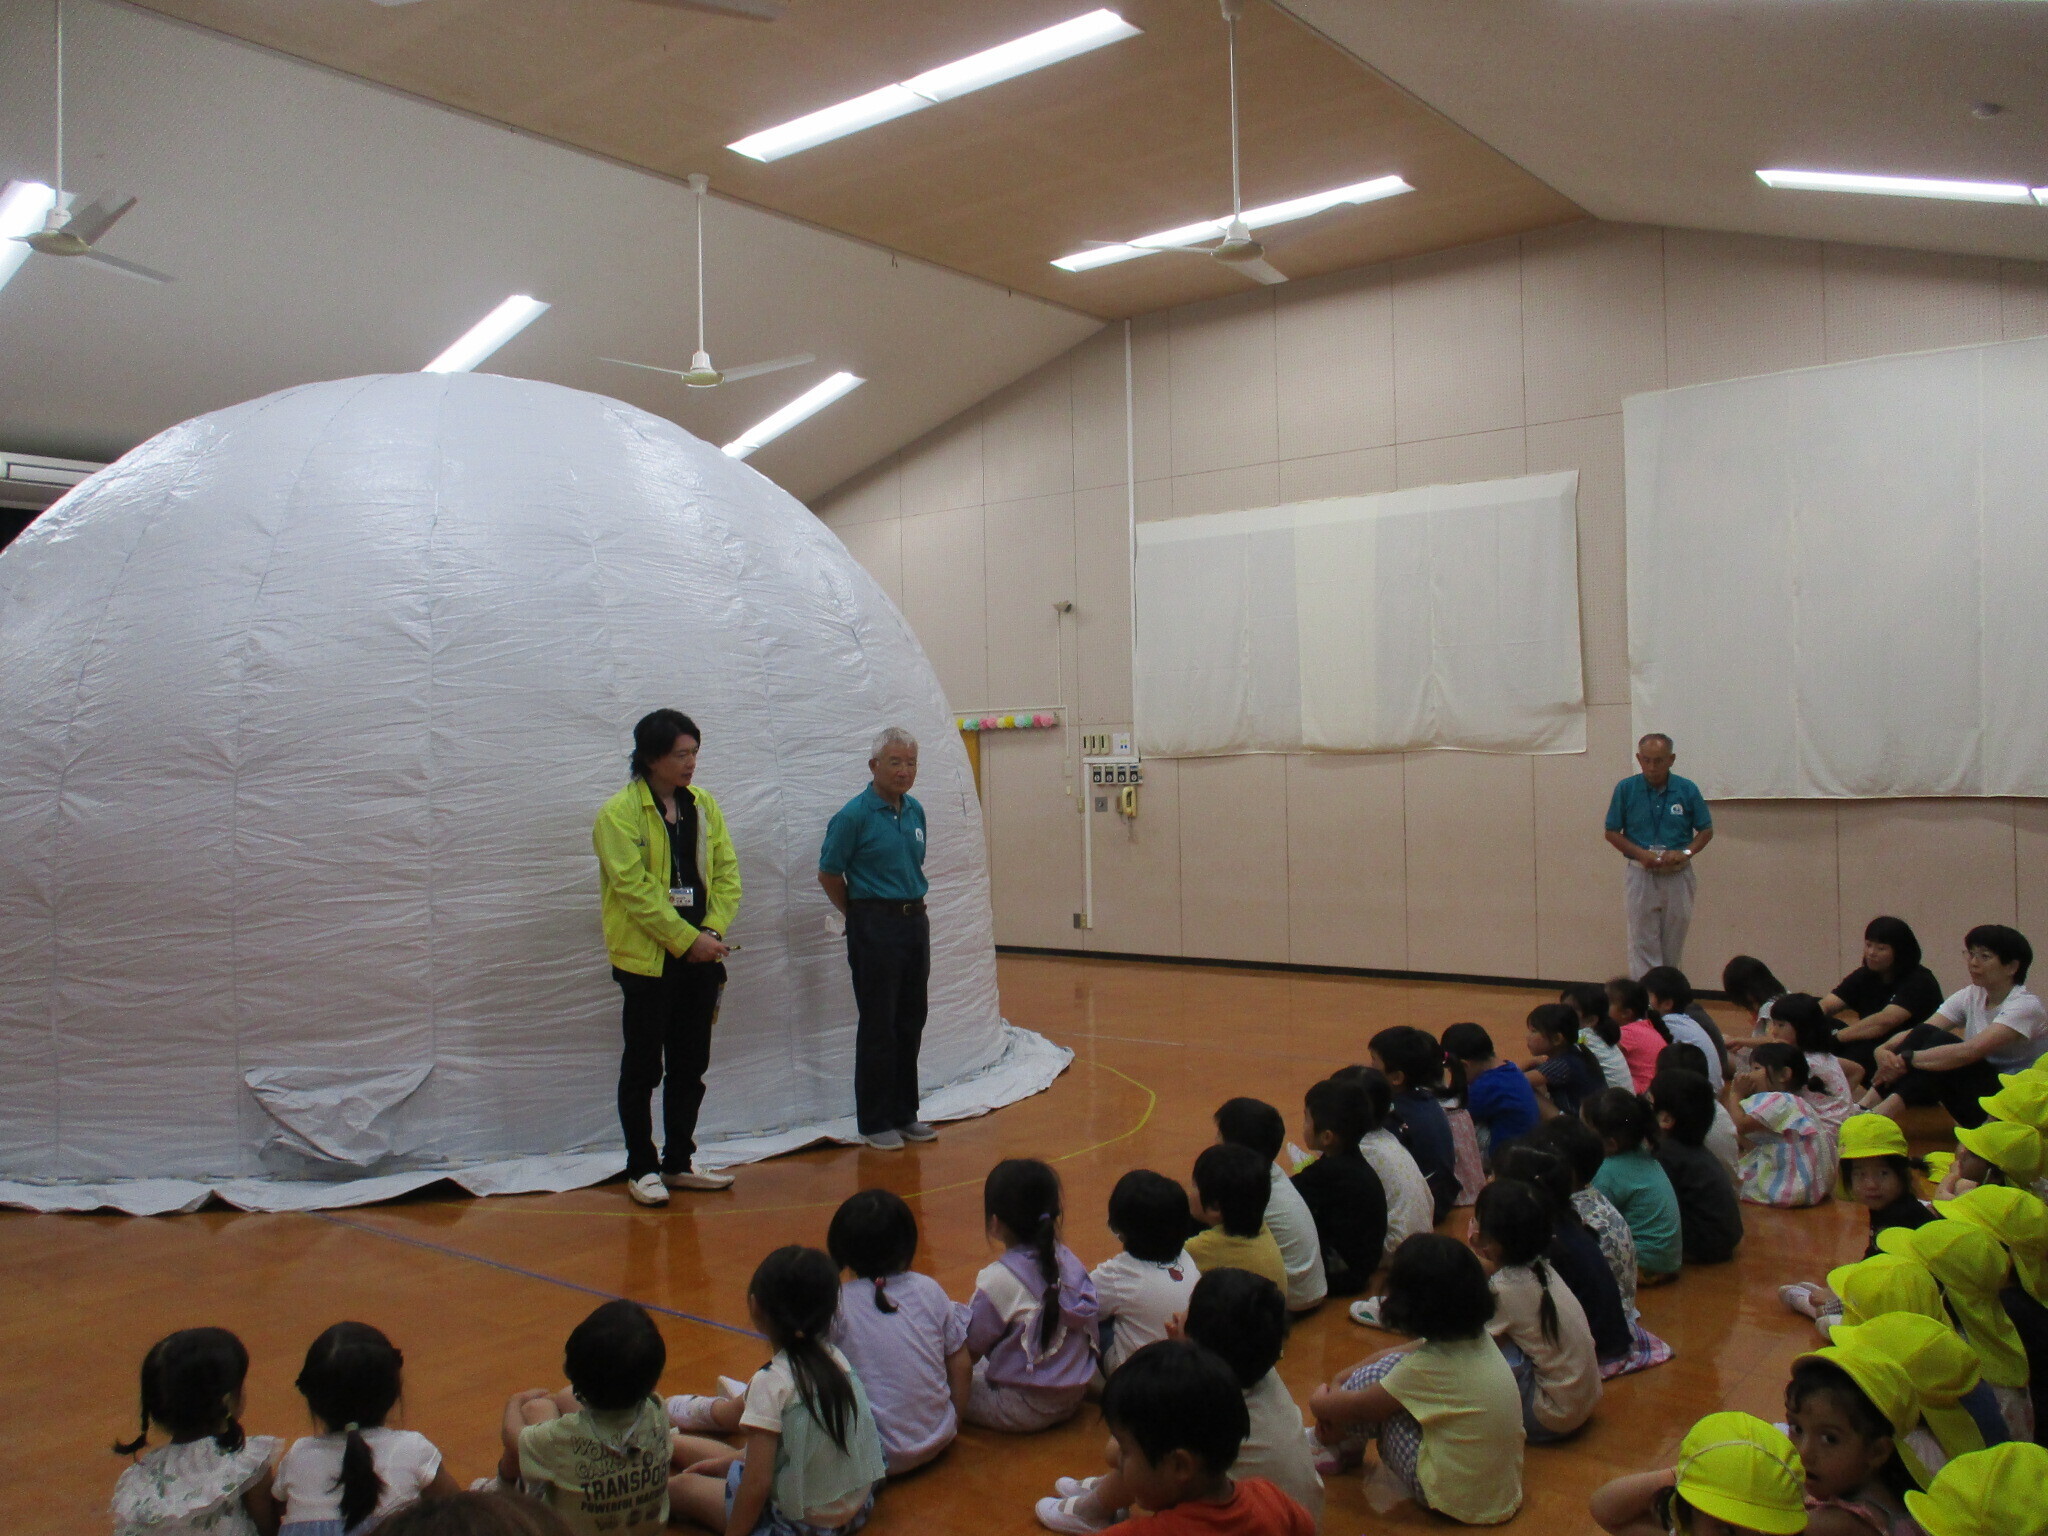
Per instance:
{"type": "Point", "coordinates": [480, 1293]}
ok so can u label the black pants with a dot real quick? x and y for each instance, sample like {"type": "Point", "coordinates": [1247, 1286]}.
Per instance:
{"type": "Point", "coordinates": [890, 953]}
{"type": "Point", "coordinates": [1863, 1053]}
{"type": "Point", "coordinates": [1956, 1091]}
{"type": "Point", "coordinates": [667, 1019]}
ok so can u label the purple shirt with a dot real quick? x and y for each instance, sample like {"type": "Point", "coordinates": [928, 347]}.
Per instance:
{"type": "Point", "coordinates": [900, 1357]}
{"type": "Point", "coordinates": [1004, 1321]}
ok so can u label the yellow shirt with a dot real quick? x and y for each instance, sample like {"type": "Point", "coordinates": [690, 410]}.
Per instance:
{"type": "Point", "coordinates": [1464, 1396]}
{"type": "Point", "coordinates": [1217, 1249]}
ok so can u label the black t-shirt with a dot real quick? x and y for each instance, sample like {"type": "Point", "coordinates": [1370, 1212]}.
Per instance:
{"type": "Point", "coordinates": [682, 859]}
{"type": "Point", "coordinates": [1349, 1205]}
{"type": "Point", "coordinates": [1867, 992]}
{"type": "Point", "coordinates": [1709, 1215]}
{"type": "Point", "coordinates": [1575, 1255]}
{"type": "Point", "coordinates": [1906, 1211]}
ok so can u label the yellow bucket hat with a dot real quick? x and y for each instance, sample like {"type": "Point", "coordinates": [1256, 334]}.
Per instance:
{"type": "Point", "coordinates": [1942, 1368]}
{"type": "Point", "coordinates": [1868, 1136]}
{"type": "Point", "coordinates": [1879, 1376]}
{"type": "Point", "coordinates": [2022, 1097]}
{"type": "Point", "coordinates": [2019, 1220]}
{"type": "Point", "coordinates": [1987, 1493]}
{"type": "Point", "coordinates": [1970, 1267]}
{"type": "Point", "coordinates": [2012, 1148]}
{"type": "Point", "coordinates": [1737, 1468]}
{"type": "Point", "coordinates": [1886, 1282]}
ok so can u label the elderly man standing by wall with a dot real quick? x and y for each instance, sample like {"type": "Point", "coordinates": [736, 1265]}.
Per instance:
{"type": "Point", "coordinates": [872, 867]}
{"type": "Point", "coordinates": [1660, 822]}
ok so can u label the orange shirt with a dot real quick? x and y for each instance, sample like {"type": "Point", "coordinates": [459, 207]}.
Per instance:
{"type": "Point", "coordinates": [1254, 1508]}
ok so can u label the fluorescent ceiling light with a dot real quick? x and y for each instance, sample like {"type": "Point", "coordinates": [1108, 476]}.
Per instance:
{"type": "Point", "coordinates": [802, 408]}
{"type": "Point", "coordinates": [1005, 61]}
{"type": "Point", "coordinates": [1254, 218]}
{"type": "Point", "coordinates": [488, 334]}
{"type": "Point", "coordinates": [23, 207]}
{"type": "Point", "coordinates": [1904, 186]}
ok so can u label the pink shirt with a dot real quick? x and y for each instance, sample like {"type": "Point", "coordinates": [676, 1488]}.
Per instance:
{"type": "Point", "coordinates": [1640, 1044]}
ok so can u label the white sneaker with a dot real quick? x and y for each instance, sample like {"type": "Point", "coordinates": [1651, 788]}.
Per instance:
{"type": "Point", "coordinates": [1064, 1515]}
{"type": "Point", "coordinates": [1074, 1487]}
{"type": "Point", "coordinates": [647, 1189]}
{"type": "Point", "coordinates": [694, 1177]}
{"type": "Point", "coordinates": [917, 1130]}
{"type": "Point", "coordinates": [884, 1141]}
{"type": "Point", "coordinates": [692, 1412]}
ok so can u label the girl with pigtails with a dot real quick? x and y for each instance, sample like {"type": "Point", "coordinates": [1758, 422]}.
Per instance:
{"type": "Point", "coordinates": [1538, 1322]}
{"type": "Point", "coordinates": [1032, 1325]}
{"type": "Point", "coordinates": [210, 1476]}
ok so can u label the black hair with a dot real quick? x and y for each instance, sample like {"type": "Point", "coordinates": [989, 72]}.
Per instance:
{"type": "Point", "coordinates": [1905, 944]}
{"type": "Point", "coordinates": [1544, 1170]}
{"type": "Point", "coordinates": [1588, 999]}
{"type": "Point", "coordinates": [1024, 1195]}
{"type": "Point", "coordinates": [796, 1291]}
{"type": "Point", "coordinates": [1463, 1043]}
{"type": "Point", "coordinates": [1683, 1056]}
{"type": "Point", "coordinates": [350, 1380]}
{"type": "Point", "coordinates": [615, 1356]}
{"type": "Point", "coordinates": [189, 1379]}
{"type": "Point", "coordinates": [654, 737]}
{"type": "Point", "coordinates": [874, 1235]}
{"type": "Point", "coordinates": [1243, 1317]}
{"type": "Point", "coordinates": [1436, 1289]}
{"type": "Point", "coordinates": [1688, 1098]}
{"type": "Point", "coordinates": [1414, 1053]}
{"type": "Point", "coordinates": [474, 1512]}
{"type": "Point", "coordinates": [1574, 1141]}
{"type": "Point", "coordinates": [1749, 982]}
{"type": "Point", "coordinates": [1516, 1217]}
{"type": "Point", "coordinates": [1813, 1376]}
{"type": "Point", "coordinates": [1149, 1214]}
{"type": "Point", "coordinates": [1379, 1093]}
{"type": "Point", "coordinates": [1623, 1118]}
{"type": "Point", "coordinates": [1252, 1123]}
{"type": "Point", "coordinates": [1175, 1395]}
{"type": "Point", "coordinates": [1900, 1163]}
{"type": "Point", "coordinates": [1773, 1054]}
{"type": "Point", "coordinates": [1669, 981]}
{"type": "Point", "coordinates": [2008, 944]}
{"type": "Point", "coordinates": [1340, 1106]}
{"type": "Point", "coordinates": [1628, 993]}
{"type": "Point", "coordinates": [1233, 1182]}
{"type": "Point", "coordinates": [1800, 1012]}
{"type": "Point", "coordinates": [1560, 1021]}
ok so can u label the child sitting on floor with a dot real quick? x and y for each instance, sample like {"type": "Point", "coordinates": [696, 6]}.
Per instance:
{"type": "Point", "coordinates": [1497, 1095]}
{"type": "Point", "coordinates": [1721, 1139]}
{"type": "Point", "coordinates": [1598, 1032]}
{"type": "Point", "coordinates": [1573, 1252]}
{"type": "Point", "coordinates": [1846, 1409]}
{"type": "Point", "coordinates": [1735, 1475]}
{"type": "Point", "coordinates": [1636, 1182]}
{"type": "Point", "coordinates": [1231, 1190]}
{"type": "Point", "coordinates": [356, 1470]}
{"type": "Point", "coordinates": [1686, 1023]}
{"type": "Point", "coordinates": [1258, 1125]}
{"type": "Point", "coordinates": [1444, 1409]}
{"type": "Point", "coordinates": [1563, 1073]}
{"type": "Point", "coordinates": [1140, 1291]}
{"type": "Point", "coordinates": [1876, 1171]}
{"type": "Point", "coordinates": [1796, 1020]}
{"type": "Point", "coordinates": [1996, 1152]}
{"type": "Point", "coordinates": [1413, 1063]}
{"type": "Point", "coordinates": [1031, 1325]}
{"type": "Point", "coordinates": [1410, 1205]}
{"type": "Point", "coordinates": [1709, 1215]}
{"type": "Point", "coordinates": [1790, 1155]}
{"type": "Point", "coordinates": [210, 1477]}
{"type": "Point", "coordinates": [1537, 1322]}
{"type": "Point", "coordinates": [1340, 1189]}
{"type": "Point", "coordinates": [1643, 1034]}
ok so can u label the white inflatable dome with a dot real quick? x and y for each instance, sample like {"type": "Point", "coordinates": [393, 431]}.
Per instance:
{"type": "Point", "coordinates": [306, 708]}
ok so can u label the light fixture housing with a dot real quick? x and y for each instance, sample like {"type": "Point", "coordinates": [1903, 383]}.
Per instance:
{"type": "Point", "coordinates": [1255, 218]}
{"type": "Point", "coordinates": [24, 207]}
{"type": "Point", "coordinates": [488, 334]}
{"type": "Point", "coordinates": [1903, 186]}
{"type": "Point", "coordinates": [802, 408]}
{"type": "Point", "coordinates": [1005, 61]}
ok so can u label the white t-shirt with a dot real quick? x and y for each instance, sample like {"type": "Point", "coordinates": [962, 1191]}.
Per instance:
{"type": "Point", "coordinates": [2021, 1012]}
{"type": "Point", "coordinates": [1722, 1140]}
{"type": "Point", "coordinates": [1567, 1368]}
{"type": "Point", "coordinates": [1138, 1296]}
{"type": "Point", "coordinates": [1276, 1449]}
{"type": "Point", "coordinates": [1294, 1229]}
{"type": "Point", "coordinates": [1410, 1207]}
{"type": "Point", "coordinates": [307, 1484]}
{"type": "Point", "coordinates": [1686, 1031]}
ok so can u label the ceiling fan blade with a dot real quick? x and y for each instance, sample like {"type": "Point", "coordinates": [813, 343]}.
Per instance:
{"type": "Point", "coordinates": [678, 372]}
{"type": "Point", "coordinates": [747, 10]}
{"type": "Point", "coordinates": [128, 268]}
{"type": "Point", "coordinates": [97, 217]}
{"type": "Point", "coordinates": [754, 370]}
{"type": "Point", "coordinates": [1260, 269]}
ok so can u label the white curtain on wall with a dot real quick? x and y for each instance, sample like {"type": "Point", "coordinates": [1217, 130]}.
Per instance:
{"type": "Point", "coordinates": [1446, 616]}
{"type": "Point", "coordinates": [1835, 576]}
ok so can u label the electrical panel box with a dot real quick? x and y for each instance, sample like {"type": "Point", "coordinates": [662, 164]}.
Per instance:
{"type": "Point", "coordinates": [1107, 744]}
{"type": "Point", "coordinates": [1116, 773]}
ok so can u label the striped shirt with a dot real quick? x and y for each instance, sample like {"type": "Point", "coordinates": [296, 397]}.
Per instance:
{"type": "Point", "coordinates": [1790, 1161]}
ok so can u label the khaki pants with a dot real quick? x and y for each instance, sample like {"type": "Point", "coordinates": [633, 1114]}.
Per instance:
{"type": "Point", "coordinates": [1659, 912]}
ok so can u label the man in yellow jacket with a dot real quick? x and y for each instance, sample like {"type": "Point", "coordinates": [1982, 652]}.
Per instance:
{"type": "Point", "coordinates": [671, 887]}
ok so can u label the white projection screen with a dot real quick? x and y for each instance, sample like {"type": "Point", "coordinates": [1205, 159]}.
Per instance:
{"type": "Point", "coordinates": [1835, 576]}
{"type": "Point", "coordinates": [1442, 617]}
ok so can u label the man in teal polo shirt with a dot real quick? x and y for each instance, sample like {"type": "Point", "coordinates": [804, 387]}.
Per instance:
{"type": "Point", "coordinates": [1659, 821]}
{"type": "Point", "coordinates": [872, 867]}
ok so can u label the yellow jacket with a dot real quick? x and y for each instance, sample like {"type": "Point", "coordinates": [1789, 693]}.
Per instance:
{"type": "Point", "coordinates": [641, 928]}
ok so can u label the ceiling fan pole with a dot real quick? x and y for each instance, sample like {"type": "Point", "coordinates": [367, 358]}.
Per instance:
{"type": "Point", "coordinates": [1236, 196]}
{"type": "Point", "coordinates": [59, 187]}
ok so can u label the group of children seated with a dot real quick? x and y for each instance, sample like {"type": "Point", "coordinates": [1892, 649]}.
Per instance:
{"type": "Point", "coordinates": [1619, 1154]}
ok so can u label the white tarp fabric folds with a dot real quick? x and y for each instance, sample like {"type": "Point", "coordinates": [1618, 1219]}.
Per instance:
{"type": "Point", "coordinates": [1835, 576]}
{"type": "Point", "coordinates": [306, 708]}
{"type": "Point", "coordinates": [1446, 616]}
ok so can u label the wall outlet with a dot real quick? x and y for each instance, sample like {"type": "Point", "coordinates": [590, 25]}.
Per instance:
{"type": "Point", "coordinates": [1120, 743]}
{"type": "Point", "coordinates": [1081, 920]}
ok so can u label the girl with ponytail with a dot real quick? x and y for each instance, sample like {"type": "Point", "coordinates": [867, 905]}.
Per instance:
{"type": "Point", "coordinates": [210, 1477]}
{"type": "Point", "coordinates": [1632, 1178]}
{"type": "Point", "coordinates": [813, 1455]}
{"type": "Point", "coordinates": [355, 1471]}
{"type": "Point", "coordinates": [1537, 1321]}
{"type": "Point", "coordinates": [1032, 1326]}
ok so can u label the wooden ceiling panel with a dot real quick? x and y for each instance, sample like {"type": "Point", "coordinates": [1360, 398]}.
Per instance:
{"type": "Point", "coordinates": [1130, 138]}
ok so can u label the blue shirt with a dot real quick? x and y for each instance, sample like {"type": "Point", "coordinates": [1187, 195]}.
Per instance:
{"type": "Point", "coordinates": [879, 849]}
{"type": "Point", "coordinates": [1658, 818]}
{"type": "Point", "coordinates": [1501, 1099]}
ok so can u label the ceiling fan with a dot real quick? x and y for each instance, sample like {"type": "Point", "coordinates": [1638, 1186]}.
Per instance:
{"type": "Point", "coordinates": [700, 374]}
{"type": "Point", "coordinates": [73, 231]}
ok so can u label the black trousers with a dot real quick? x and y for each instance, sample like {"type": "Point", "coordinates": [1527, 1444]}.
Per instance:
{"type": "Point", "coordinates": [1956, 1091]}
{"type": "Point", "coordinates": [667, 1023]}
{"type": "Point", "coordinates": [890, 954]}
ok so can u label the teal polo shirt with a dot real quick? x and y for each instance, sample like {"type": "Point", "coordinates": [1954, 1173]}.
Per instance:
{"type": "Point", "coordinates": [878, 849]}
{"type": "Point", "coordinates": [1658, 818]}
